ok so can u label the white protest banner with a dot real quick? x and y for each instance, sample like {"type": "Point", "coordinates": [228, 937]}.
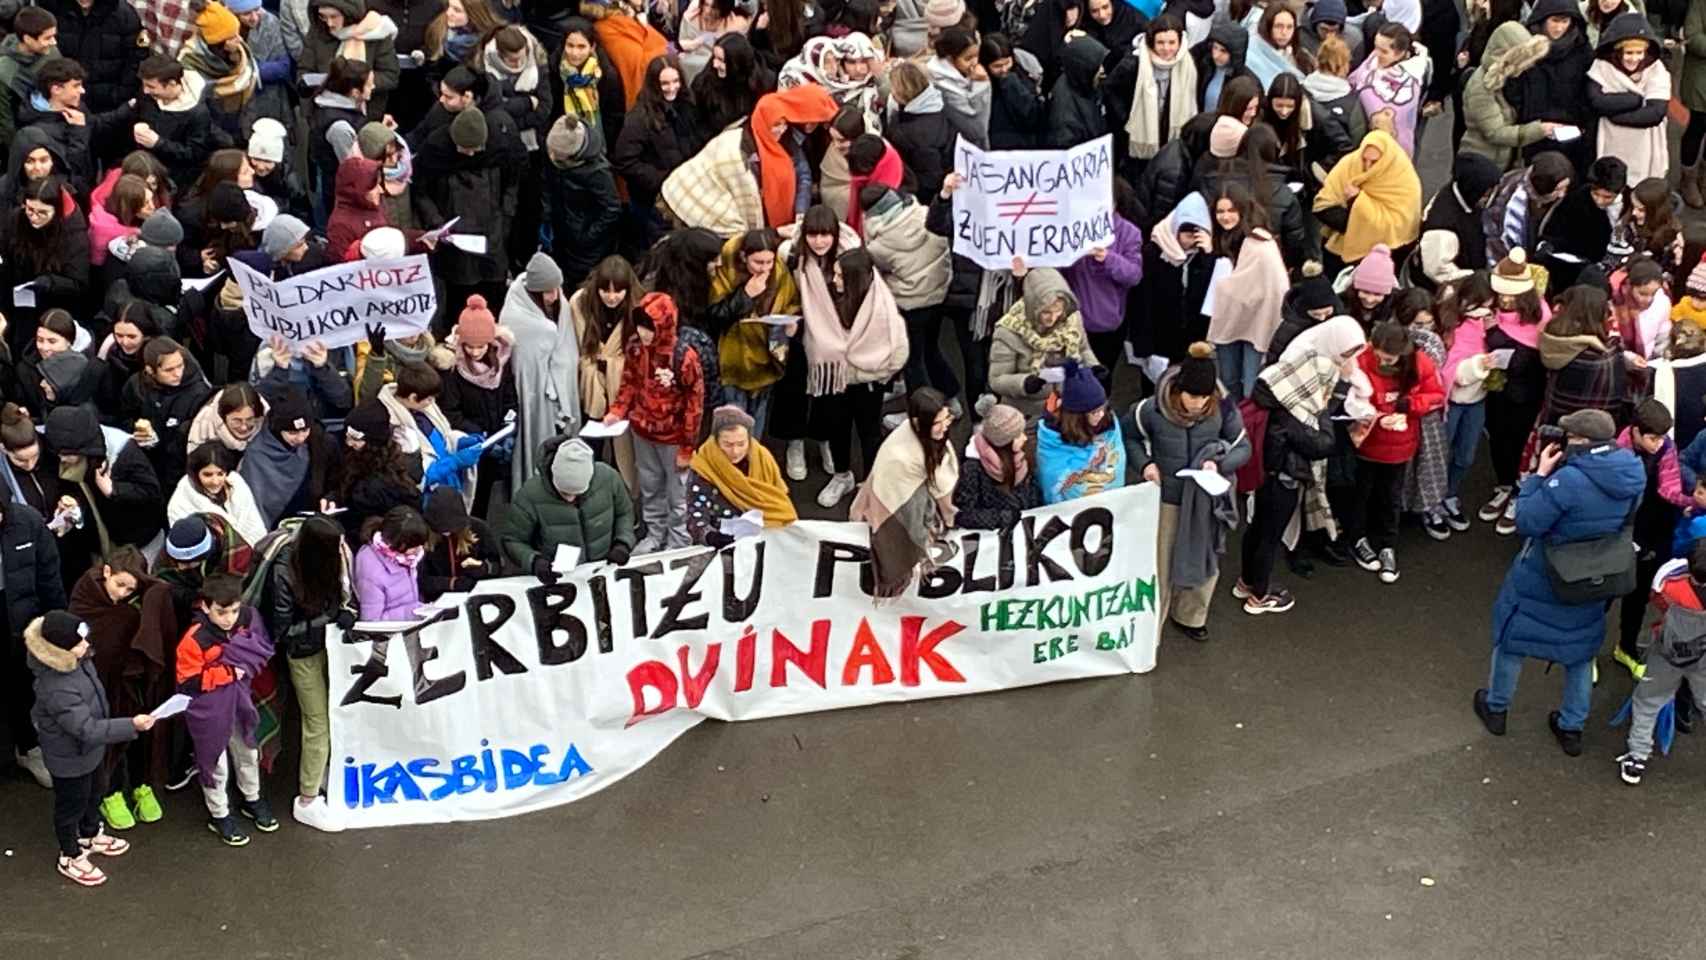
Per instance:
{"type": "Point", "coordinates": [539, 695]}
{"type": "Point", "coordinates": [1046, 206]}
{"type": "Point", "coordinates": [336, 304]}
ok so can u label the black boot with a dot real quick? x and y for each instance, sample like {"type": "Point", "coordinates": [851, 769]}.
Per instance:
{"type": "Point", "coordinates": [1299, 564]}
{"type": "Point", "coordinates": [1570, 740]}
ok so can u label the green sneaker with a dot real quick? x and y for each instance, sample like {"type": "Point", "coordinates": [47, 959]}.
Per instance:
{"type": "Point", "coordinates": [117, 813]}
{"type": "Point", "coordinates": [147, 808]}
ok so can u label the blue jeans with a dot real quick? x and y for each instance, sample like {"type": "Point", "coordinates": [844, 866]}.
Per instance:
{"type": "Point", "coordinates": [756, 404]}
{"type": "Point", "coordinates": [1237, 363]}
{"type": "Point", "coordinates": [1463, 425]}
{"type": "Point", "coordinates": [1578, 688]}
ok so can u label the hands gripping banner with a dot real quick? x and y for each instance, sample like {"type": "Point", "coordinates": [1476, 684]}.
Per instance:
{"type": "Point", "coordinates": [1047, 207]}
{"type": "Point", "coordinates": [538, 695]}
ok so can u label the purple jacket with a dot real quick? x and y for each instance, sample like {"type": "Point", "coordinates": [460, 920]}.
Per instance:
{"type": "Point", "coordinates": [387, 590]}
{"type": "Point", "coordinates": [1101, 287]}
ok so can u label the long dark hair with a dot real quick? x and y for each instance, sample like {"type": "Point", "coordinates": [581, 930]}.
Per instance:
{"type": "Point", "coordinates": [819, 219]}
{"type": "Point", "coordinates": [39, 251]}
{"type": "Point", "coordinates": [723, 100]}
{"type": "Point", "coordinates": [676, 266]}
{"type": "Point", "coordinates": [612, 273]}
{"type": "Point", "coordinates": [207, 455]}
{"type": "Point", "coordinates": [381, 461]}
{"type": "Point", "coordinates": [1581, 313]}
{"type": "Point", "coordinates": [922, 406]}
{"type": "Point", "coordinates": [1658, 232]}
{"type": "Point", "coordinates": [1265, 28]}
{"type": "Point", "coordinates": [1251, 215]}
{"type": "Point", "coordinates": [858, 273]}
{"type": "Point", "coordinates": [316, 566]}
{"type": "Point", "coordinates": [1474, 292]}
{"type": "Point", "coordinates": [650, 104]}
{"type": "Point", "coordinates": [1288, 129]}
{"type": "Point", "coordinates": [402, 528]}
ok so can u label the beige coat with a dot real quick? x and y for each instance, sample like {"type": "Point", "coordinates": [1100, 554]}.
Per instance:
{"type": "Point", "coordinates": [914, 261]}
{"type": "Point", "coordinates": [599, 387]}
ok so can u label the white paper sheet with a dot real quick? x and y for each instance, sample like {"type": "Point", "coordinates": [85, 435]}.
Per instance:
{"type": "Point", "coordinates": [1154, 366]}
{"type": "Point", "coordinates": [448, 601]}
{"type": "Point", "coordinates": [748, 524]}
{"type": "Point", "coordinates": [567, 556]}
{"type": "Point", "coordinates": [1501, 359]}
{"type": "Point", "coordinates": [774, 319]}
{"type": "Point", "coordinates": [389, 626]}
{"type": "Point", "coordinates": [192, 283]}
{"type": "Point", "coordinates": [498, 437]}
{"type": "Point", "coordinates": [441, 232]}
{"type": "Point", "coordinates": [1222, 270]}
{"type": "Point", "coordinates": [313, 79]}
{"type": "Point", "coordinates": [1212, 484]}
{"type": "Point", "coordinates": [468, 242]}
{"type": "Point", "coordinates": [175, 704]}
{"type": "Point", "coordinates": [1052, 374]}
{"type": "Point", "coordinates": [24, 294]}
{"type": "Point", "coordinates": [1566, 133]}
{"type": "Point", "coordinates": [594, 429]}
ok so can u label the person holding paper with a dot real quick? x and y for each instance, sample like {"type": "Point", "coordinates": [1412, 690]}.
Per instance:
{"type": "Point", "coordinates": [1555, 89]}
{"type": "Point", "coordinates": [462, 552]}
{"type": "Point", "coordinates": [384, 577]}
{"type": "Point", "coordinates": [131, 618]}
{"type": "Point", "coordinates": [750, 283]}
{"type": "Point", "coordinates": [1468, 366]}
{"type": "Point", "coordinates": [571, 500]}
{"type": "Point", "coordinates": [109, 479]}
{"type": "Point", "coordinates": [44, 245]}
{"type": "Point", "coordinates": [76, 729]}
{"type": "Point", "coordinates": [1406, 388]}
{"type": "Point", "coordinates": [1520, 314]}
{"type": "Point", "coordinates": [419, 427]}
{"type": "Point", "coordinates": [160, 403]}
{"type": "Point", "coordinates": [463, 174]}
{"type": "Point", "coordinates": [731, 474]}
{"type": "Point", "coordinates": [479, 395]}
{"type": "Point", "coordinates": [1044, 326]}
{"type": "Point", "coordinates": [1189, 424]}
{"type": "Point", "coordinates": [663, 401]}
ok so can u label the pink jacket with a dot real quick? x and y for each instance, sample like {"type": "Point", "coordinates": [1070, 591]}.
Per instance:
{"type": "Point", "coordinates": [1670, 471]}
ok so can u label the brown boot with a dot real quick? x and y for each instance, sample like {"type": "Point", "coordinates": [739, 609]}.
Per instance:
{"type": "Point", "coordinates": [1689, 183]}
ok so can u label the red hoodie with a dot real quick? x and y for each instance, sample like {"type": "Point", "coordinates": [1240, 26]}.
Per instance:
{"type": "Point", "coordinates": [655, 412]}
{"type": "Point", "coordinates": [1426, 396]}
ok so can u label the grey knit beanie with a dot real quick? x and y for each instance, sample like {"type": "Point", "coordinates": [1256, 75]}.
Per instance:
{"type": "Point", "coordinates": [571, 468]}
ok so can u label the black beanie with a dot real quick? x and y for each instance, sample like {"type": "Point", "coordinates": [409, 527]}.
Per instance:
{"type": "Point", "coordinates": [1197, 374]}
{"type": "Point", "coordinates": [63, 630]}
{"type": "Point", "coordinates": [1314, 293]}
{"type": "Point", "coordinates": [445, 513]}
{"type": "Point", "coordinates": [227, 204]}
{"type": "Point", "coordinates": [369, 423]}
{"type": "Point", "coordinates": [289, 412]}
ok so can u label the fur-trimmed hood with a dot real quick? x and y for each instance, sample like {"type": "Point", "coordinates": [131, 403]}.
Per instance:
{"type": "Point", "coordinates": [1511, 51]}
{"type": "Point", "coordinates": [45, 655]}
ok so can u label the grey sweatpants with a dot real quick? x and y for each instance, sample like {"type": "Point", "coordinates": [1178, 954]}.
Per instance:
{"type": "Point", "coordinates": [663, 493]}
{"type": "Point", "coordinates": [247, 761]}
{"type": "Point", "coordinates": [1656, 689]}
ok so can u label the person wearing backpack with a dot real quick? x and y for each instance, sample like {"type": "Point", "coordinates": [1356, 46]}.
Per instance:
{"type": "Point", "coordinates": [1583, 494]}
{"type": "Point", "coordinates": [663, 401]}
{"type": "Point", "coordinates": [1677, 654]}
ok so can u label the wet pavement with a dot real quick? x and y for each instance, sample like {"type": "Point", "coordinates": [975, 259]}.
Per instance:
{"type": "Point", "coordinates": [1288, 789]}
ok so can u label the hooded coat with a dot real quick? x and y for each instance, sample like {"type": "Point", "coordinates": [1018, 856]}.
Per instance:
{"type": "Point", "coordinates": [921, 134]}
{"type": "Point", "coordinates": [366, 35]}
{"type": "Point", "coordinates": [1453, 243]}
{"type": "Point", "coordinates": [31, 576]}
{"type": "Point", "coordinates": [1012, 357]}
{"type": "Point", "coordinates": [1075, 113]}
{"type": "Point", "coordinates": [659, 413]}
{"type": "Point", "coordinates": [1555, 89]}
{"type": "Point", "coordinates": [71, 713]}
{"type": "Point", "coordinates": [1488, 106]}
{"type": "Point", "coordinates": [1631, 107]}
{"type": "Point", "coordinates": [354, 213]}
{"type": "Point", "coordinates": [546, 362]}
{"type": "Point", "coordinates": [1167, 178]}
{"type": "Point", "coordinates": [1236, 40]}
{"type": "Point", "coordinates": [135, 512]}
{"type": "Point", "coordinates": [1591, 494]}
{"type": "Point", "coordinates": [539, 518]}
{"type": "Point", "coordinates": [1158, 431]}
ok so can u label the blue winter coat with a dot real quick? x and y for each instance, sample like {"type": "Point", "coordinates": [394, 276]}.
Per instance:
{"type": "Point", "coordinates": [1591, 494]}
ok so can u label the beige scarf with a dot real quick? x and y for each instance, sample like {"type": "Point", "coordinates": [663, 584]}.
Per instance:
{"type": "Point", "coordinates": [1143, 127]}
{"type": "Point", "coordinates": [837, 357]}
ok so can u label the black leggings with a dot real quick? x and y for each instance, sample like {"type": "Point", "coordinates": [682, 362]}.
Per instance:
{"type": "Point", "coordinates": [837, 416]}
{"type": "Point", "coordinates": [1693, 137]}
{"type": "Point", "coordinates": [1374, 511]}
{"type": "Point", "coordinates": [1261, 546]}
{"type": "Point", "coordinates": [925, 364]}
{"type": "Point", "coordinates": [77, 810]}
{"type": "Point", "coordinates": [1508, 427]}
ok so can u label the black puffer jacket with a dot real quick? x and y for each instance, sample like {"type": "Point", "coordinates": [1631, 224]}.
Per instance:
{"type": "Point", "coordinates": [1290, 447]}
{"type": "Point", "coordinates": [1166, 180]}
{"type": "Point", "coordinates": [1075, 112]}
{"type": "Point", "coordinates": [412, 18]}
{"type": "Point", "coordinates": [107, 41]}
{"type": "Point", "coordinates": [1016, 111]}
{"type": "Point", "coordinates": [31, 573]}
{"type": "Point", "coordinates": [922, 136]}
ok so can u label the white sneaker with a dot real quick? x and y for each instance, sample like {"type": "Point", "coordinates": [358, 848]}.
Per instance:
{"type": "Point", "coordinates": [828, 457]}
{"type": "Point", "coordinates": [796, 457]}
{"type": "Point", "coordinates": [80, 871]}
{"type": "Point", "coordinates": [838, 487]}
{"type": "Point", "coordinates": [318, 814]}
{"type": "Point", "coordinates": [105, 844]}
{"type": "Point", "coordinates": [31, 760]}
{"type": "Point", "coordinates": [892, 421]}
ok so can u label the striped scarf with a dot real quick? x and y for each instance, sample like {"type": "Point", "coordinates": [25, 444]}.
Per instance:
{"type": "Point", "coordinates": [580, 88]}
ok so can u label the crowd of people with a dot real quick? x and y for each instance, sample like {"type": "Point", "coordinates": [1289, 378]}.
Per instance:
{"type": "Point", "coordinates": [712, 230]}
